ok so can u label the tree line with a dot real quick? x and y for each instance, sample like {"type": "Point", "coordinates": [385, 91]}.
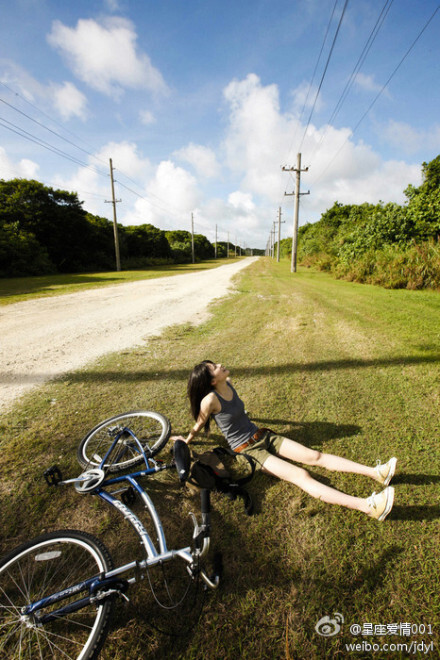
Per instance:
{"type": "Point", "coordinates": [45, 231]}
{"type": "Point", "coordinates": [393, 245]}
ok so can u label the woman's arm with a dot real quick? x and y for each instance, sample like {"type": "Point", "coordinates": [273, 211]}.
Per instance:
{"type": "Point", "coordinates": [210, 405]}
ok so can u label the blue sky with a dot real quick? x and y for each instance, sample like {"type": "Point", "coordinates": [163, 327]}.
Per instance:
{"type": "Point", "coordinates": [200, 103]}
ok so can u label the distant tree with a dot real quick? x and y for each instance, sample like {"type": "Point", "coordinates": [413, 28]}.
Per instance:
{"type": "Point", "coordinates": [142, 243]}
{"type": "Point", "coordinates": [181, 246]}
{"type": "Point", "coordinates": [203, 248]}
{"type": "Point", "coordinates": [101, 243]}
{"type": "Point", "coordinates": [222, 249]}
{"type": "Point", "coordinates": [54, 217]}
{"type": "Point", "coordinates": [21, 253]}
{"type": "Point", "coordinates": [431, 174]}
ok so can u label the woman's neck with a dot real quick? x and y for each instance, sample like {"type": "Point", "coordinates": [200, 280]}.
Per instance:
{"type": "Point", "coordinates": [223, 389]}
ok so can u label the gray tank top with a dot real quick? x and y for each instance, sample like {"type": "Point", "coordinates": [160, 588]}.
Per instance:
{"type": "Point", "coordinates": [233, 421]}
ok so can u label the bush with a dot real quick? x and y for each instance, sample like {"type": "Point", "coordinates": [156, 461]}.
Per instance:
{"type": "Point", "coordinates": [393, 267]}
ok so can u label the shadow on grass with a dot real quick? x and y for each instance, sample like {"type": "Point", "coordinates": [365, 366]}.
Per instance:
{"type": "Point", "coordinates": [24, 286]}
{"type": "Point", "coordinates": [368, 575]}
{"type": "Point", "coordinates": [418, 512]}
{"type": "Point", "coordinates": [48, 283]}
{"type": "Point", "coordinates": [416, 479]}
{"type": "Point", "coordinates": [240, 372]}
{"type": "Point", "coordinates": [311, 432]}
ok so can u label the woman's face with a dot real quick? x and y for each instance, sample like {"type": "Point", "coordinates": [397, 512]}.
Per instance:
{"type": "Point", "coordinates": [218, 372]}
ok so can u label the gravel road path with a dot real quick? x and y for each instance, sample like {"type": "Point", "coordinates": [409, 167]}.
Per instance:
{"type": "Point", "coordinates": [44, 338]}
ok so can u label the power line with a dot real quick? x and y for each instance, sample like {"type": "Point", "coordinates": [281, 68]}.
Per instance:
{"type": "Point", "coordinates": [380, 92]}
{"type": "Point", "coordinates": [366, 49]}
{"type": "Point", "coordinates": [51, 119]}
{"type": "Point", "coordinates": [313, 77]}
{"type": "Point", "coordinates": [48, 129]}
{"type": "Point", "coordinates": [161, 208]}
{"type": "Point", "coordinates": [57, 151]}
{"type": "Point", "coordinates": [324, 72]}
{"type": "Point", "coordinates": [42, 143]}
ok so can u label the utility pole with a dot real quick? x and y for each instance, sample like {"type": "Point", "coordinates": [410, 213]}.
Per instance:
{"type": "Point", "coordinates": [279, 233]}
{"type": "Point", "coordinates": [235, 246]}
{"type": "Point", "coordinates": [215, 252]}
{"type": "Point", "coordinates": [297, 194]}
{"type": "Point", "coordinates": [273, 238]}
{"type": "Point", "coordinates": [192, 239]}
{"type": "Point", "coordinates": [227, 249]}
{"type": "Point", "coordinates": [115, 224]}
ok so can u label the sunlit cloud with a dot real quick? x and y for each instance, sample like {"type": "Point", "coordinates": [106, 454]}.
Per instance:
{"type": "Point", "coordinates": [201, 158]}
{"type": "Point", "coordinates": [69, 101]}
{"type": "Point", "coordinates": [105, 56]}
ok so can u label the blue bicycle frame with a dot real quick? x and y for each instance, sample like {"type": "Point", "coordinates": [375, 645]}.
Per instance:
{"type": "Point", "coordinates": [104, 585]}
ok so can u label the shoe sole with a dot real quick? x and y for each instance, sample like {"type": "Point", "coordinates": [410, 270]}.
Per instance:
{"type": "Point", "coordinates": [389, 504]}
{"type": "Point", "coordinates": [391, 472]}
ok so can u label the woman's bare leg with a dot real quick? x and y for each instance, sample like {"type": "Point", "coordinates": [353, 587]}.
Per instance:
{"type": "Point", "coordinates": [294, 451]}
{"type": "Point", "coordinates": [302, 479]}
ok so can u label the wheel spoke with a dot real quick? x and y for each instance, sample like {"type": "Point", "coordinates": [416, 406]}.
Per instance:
{"type": "Point", "coordinates": [149, 428]}
{"type": "Point", "coordinates": [49, 565]}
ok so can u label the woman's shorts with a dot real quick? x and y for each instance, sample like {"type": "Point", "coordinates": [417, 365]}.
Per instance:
{"type": "Point", "coordinates": [269, 445]}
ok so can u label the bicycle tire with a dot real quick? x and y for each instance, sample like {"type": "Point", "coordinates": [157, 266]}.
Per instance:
{"type": "Point", "coordinates": [151, 428]}
{"type": "Point", "coordinates": [43, 566]}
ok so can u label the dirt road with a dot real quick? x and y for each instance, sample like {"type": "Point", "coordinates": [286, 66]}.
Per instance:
{"type": "Point", "coordinates": [44, 338]}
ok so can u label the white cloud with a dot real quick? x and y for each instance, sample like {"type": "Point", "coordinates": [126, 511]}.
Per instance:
{"type": "Point", "coordinates": [24, 168]}
{"type": "Point", "coordinates": [201, 158]}
{"type": "Point", "coordinates": [22, 82]}
{"type": "Point", "coordinates": [245, 221]}
{"type": "Point", "coordinates": [146, 117]}
{"type": "Point", "coordinates": [174, 187]}
{"type": "Point", "coordinates": [126, 160]}
{"type": "Point", "coordinates": [260, 138]}
{"type": "Point", "coordinates": [171, 195]}
{"type": "Point", "coordinates": [304, 98]}
{"type": "Point", "coordinates": [65, 98]}
{"type": "Point", "coordinates": [368, 84]}
{"type": "Point", "coordinates": [410, 140]}
{"type": "Point", "coordinates": [69, 101]}
{"type": "Point", "coordinates": [95, 189]}
{"type": "Point", "coordinates": [112, 5]}
{"type": "Point", "coordinates": [105, 55]}
{"type": "Point", "coordinates": [241, 201]}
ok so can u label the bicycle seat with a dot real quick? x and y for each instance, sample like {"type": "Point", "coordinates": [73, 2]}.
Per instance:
{"type": "Point", "coordinates": [182, 459]}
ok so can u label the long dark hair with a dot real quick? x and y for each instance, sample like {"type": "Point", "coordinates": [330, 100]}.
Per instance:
{"type": "Point", "coordinates": [199, 385]}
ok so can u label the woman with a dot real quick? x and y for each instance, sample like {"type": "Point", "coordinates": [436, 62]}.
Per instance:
{"type": "Point", "coordinates": [212, 395]}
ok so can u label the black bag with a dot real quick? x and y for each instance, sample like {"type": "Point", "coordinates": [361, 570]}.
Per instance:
{"type": "Point", "coordinates": [208, 471]}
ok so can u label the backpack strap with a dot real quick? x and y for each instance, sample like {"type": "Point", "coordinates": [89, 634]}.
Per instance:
{"type": "Point", "coordinates": [222, 451]}
{"type": "Point", "coordinates": [208, 471]}
{"type": "Point", "coordinates": [235, 489]}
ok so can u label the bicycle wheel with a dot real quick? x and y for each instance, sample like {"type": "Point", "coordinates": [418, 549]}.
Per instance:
{"type": "Point", "coordinates": [35, 570]}
{"type": "Point", "coordinates": [151, 429]}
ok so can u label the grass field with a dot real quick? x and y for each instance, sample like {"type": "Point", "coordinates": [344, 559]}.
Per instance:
{"type": "Point", "coordinates": [345, 368]}
{"type": "Point", "coordinates": [22, 288]}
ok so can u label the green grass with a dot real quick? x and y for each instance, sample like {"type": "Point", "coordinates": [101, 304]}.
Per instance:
{"type": "Point", "coordinates": [345, 368]}
{"type": "Point", "coordinates": [22, 288]}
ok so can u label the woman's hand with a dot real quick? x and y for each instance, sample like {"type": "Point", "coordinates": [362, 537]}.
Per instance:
{"type": "Point", "coordinates": [173, 438]}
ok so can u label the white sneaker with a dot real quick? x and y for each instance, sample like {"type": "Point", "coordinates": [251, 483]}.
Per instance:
{"type": "Point", "coordinates": [381, 504]}
{"type": "Point", "coordinates": [385, 472]}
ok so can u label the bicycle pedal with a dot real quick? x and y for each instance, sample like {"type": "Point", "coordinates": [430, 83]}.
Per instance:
{"type": "Point", "coordinates": [128, 496]}
{"type": "Point", "coordinates": [53, 476]}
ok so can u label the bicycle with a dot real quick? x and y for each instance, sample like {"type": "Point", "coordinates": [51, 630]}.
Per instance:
{"type": "Point", "coordinates": [57, 591]}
